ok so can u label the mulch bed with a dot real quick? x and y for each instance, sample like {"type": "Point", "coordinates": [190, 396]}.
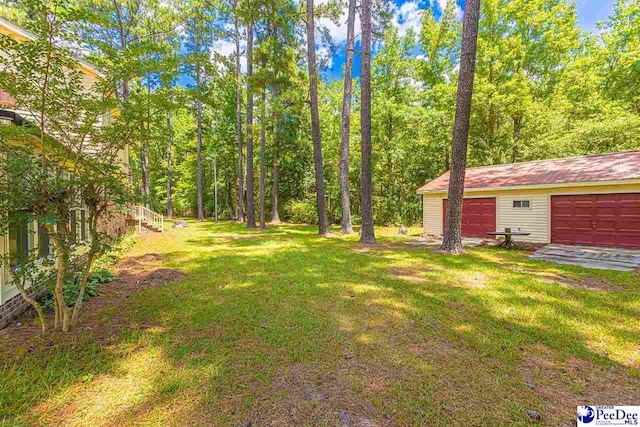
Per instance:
{"type": "Point", "coordinates": [135, 274]}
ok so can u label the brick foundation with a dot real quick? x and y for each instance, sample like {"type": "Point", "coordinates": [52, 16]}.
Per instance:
{"type": "Point", "coordinates": [116, 224]}
{"type": "Point", "coordinates": [16, 306]}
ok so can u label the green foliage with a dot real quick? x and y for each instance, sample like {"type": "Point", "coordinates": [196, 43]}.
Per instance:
{"type": "Point", "coordinates": [543, 88]}
{"type": "Point", "coordinates": [302, 211]}
{"type": "Point", "coordinates": [71, 288]}
{"type": "Point", "coordinates": [115, 252]}
{"type": "Point", "coordinates": [101, 276]}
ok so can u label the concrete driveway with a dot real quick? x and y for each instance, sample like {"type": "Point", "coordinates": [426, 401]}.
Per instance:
{"type": "Point", "coordinates": [590, 257]}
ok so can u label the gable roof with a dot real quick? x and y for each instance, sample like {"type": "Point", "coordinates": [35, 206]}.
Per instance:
{"type": "Point", "coordinates": [601, 167]}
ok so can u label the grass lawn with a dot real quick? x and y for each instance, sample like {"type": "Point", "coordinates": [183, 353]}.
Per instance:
{"type": "Point", "coordinates": [286, 328]}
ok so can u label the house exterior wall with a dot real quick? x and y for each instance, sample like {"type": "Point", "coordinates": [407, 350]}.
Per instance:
{"type": "Point", "coordinates": [432, 215]}
{"type": "Point", "coordinates": [536, 219]}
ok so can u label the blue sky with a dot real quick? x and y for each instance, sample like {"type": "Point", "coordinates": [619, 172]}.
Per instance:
{"type": "Point", "coordinates": [407, 14]}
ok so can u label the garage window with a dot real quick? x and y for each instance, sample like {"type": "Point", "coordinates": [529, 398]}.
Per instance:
{"type": "Point", "coordinates": [522, 204]}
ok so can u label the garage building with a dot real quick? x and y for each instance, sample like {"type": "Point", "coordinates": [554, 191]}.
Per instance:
{"type": "Point", "coordinates": [589, 200]}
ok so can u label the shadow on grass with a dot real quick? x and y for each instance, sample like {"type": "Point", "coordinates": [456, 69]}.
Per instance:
{"type": "Point", "coordinates": [266, 319]}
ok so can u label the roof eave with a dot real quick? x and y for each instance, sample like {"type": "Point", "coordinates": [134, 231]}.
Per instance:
{"type": "Point", "coordinates": [540, 186]}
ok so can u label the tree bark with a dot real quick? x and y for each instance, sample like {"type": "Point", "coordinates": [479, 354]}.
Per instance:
{"type": "Point", "coordinates": [251, 209]}
{"type": "Point", "coordinates": [199, 177]}
{"type": "Point", "coordinates": [275, 215]}
{"type": "Point", "coordinates": [367, 234]}
{"type": "Point", "coordinates": [346, 226]}
{"type": "Point", "coordinates": [452, 238]}
{"type": "Point", "coordinates": [62, 314]}
{"type": "Point", "coordinates": [144, 171]}
{"type": "Point", "coordinates": [144, 162]}
{"type": "Point", "coordinates": [323, 223]}
{"type": "Point", "coordinates": [35, 304]}
{"type": "Point", "coordinates": [263, 141]}
{"type": "Point", "coordinates": [86, 271]}
{"type": "Point", "coordinates": [275, 191]}
{"type": "Point", "coordinates": [169, 167]}
{"type": "Point", "coordinates": [239, 126]}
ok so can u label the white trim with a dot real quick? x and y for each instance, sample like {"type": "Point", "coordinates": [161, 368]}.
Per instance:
{"type": "Point", "coordinates": [542, 186]}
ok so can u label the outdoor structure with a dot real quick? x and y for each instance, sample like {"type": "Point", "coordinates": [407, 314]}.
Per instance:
{"type": "Point", "coordinates": [589, 200]}
{"type": "Point", "coordinates": [33, 238]}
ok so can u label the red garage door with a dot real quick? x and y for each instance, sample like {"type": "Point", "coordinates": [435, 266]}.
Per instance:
{"type": "Point", "coordinates": [478, 216]}
{"type": "Point", "coordinates": [596, 220]}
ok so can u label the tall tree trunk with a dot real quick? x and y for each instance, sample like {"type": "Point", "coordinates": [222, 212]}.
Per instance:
{"type": "Point", "coordinates": [275, 191]}
{"type": "Point", "coordinates": [144, 171]}
{"type": "Point", "coordinates": [323, 223]}
{"type": "Point", "coordinates": [275, 215]}
{"type": "Point", "coordinates": [452, 238]}
{"type": "Point", "coordinates": [515, 148]}
{"type": "Point", "coordinates": [125, 79]}
{"type": "Point", "coordinates": [263, 141]}
{"type": "Point", "coordinates": [251, 209]}
{"type": "Point", "coordinates": [144, 155]}
{"type": "Point", "coordinates": [199, 150]}
{"type": "Point", "coordinates": [346, 225]}
{"type": "Point", "coordinates": [367, 234]}
{"type": "Point", "coordinates": [239, 125]}
{"type": "Point", "coordinates": [169, 167]}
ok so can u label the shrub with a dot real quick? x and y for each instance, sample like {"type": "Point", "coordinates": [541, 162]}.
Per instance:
{"type": "Point", "coordinates": [115, 252]}
{"type": "Point", "coordinates": [101, 276]}
{"type": "Point", "coordinates": [71, 288]}
{"type": "Point", "coordinates": [302, 211]}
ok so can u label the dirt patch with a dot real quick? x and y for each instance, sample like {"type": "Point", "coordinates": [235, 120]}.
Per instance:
{"type": "Point", "coordinates": [307, 395]}
{"type": "Point", "coordinates": [588, 283]}
{"type": "Point", "coordinates": [102, 317]}
{"type": "Point", "coordinates": [377, 249]}
{"type": "Point", "coordinates": [472, 280]}
{"type": "Point", "coordinates": [134, 264]}
{"type": "Point", "coordinates": [413, 275]}
{"type": "Point", "coordinates": [231, 237]}
{"type": "Point", "coordinates": [566, 384]}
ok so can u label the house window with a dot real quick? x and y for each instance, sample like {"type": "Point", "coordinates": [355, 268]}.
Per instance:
{"type": "Point", "coordinates": [74, 227]}
{"type": "Point", "coordinates": [83, 225]}
{"type": "Point", "coordinates": [44, 243]}
{"type": "Point", "coordinates": [20, 240]}
{"type": "Point", "coordinates": [522, 204]}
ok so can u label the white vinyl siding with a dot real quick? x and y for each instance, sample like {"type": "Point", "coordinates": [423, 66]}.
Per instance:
{"type": "Point", "coordinates": [432, 215]}
{"type": "Point", "coordinates": [534, 219]}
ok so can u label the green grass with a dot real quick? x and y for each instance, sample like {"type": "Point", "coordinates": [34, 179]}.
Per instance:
{"type": "Point", "coordinates": [283, 327]}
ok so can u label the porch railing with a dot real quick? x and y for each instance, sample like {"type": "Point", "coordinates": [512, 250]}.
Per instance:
{"type": "Point", "coordinates": [148, 218]}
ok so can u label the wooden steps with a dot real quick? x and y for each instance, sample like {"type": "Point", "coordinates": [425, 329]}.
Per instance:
{"type": "Point", "coordinates": [590, 257]}
{"type": "Point", "coordinates": [148, 219]}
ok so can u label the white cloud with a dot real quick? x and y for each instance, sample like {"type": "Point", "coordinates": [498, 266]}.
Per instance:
{"type": "Point", "coordinates": [228, 48]}
{"type": "Point", "coordinates": [407, 16]}
{"type": "Point", "coordinates": [442, 5]}
{"type": "Point", "coordinates": [338, 30]}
